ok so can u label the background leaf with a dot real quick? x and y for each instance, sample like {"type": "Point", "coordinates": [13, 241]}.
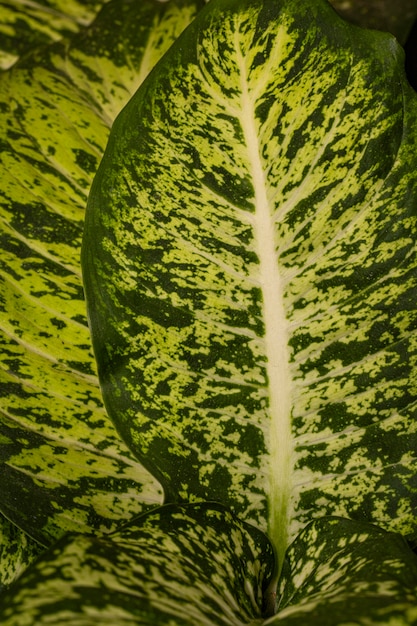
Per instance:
{"type": "Point", "coordinates": [342, 572]}
{"type": "Point", "coordinates": [63, 465]}
{"type": "Point", "coordinates": [17, 551]}
{"type": "Point", "coordinates": [394, 17]}
{"type": "Point", "coordinates": [250, 266]}
{"type": "Point", "coordinates": [195, 565]}
{"type": "Point", "coordinates": [25, 25]}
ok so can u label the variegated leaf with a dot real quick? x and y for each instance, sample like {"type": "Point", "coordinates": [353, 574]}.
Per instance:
{"type": "Point", "coordinates": [17, 552]}
{"type": "Point", "coordinates": [199, 565]}
{"type": "Point", "coordinates": [339, 572]}
{"type": "Point", "coordinates": [191, 565]}
{"type": "Point", "coordinates": [63, 467]}
{"type": "Point", "coordinates": [250, 266]}
{"type": "Point", "coordinates": [24, 25]}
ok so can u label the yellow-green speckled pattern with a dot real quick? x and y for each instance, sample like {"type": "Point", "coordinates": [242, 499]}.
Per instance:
{"type": "Point", "coordinates": [63, 467]}
{"type": "Point", "coordinates": [250, 267]}
{"type": "Point", "coordinates": [24, 25]}
{"type": "Point", "coordinates": [198, 565]}
{"type": "Point", "coordinates": [179, 566]}
{"type": "Point", "coordinates": [343, 573]}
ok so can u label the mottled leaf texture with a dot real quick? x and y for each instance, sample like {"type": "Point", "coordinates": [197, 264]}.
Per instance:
{"type": "Point", "coordinates": [17, 551]}
{"type": "Point", "coordinates": [198, 565]}
{"type": "Point", "coordinates": [344, 573]}
{"type": "Point", "coordinates": [188, 566]}
{"type": "Point", "coordinates": [250, 267]}
{"type": "Point", "coordinates": [24, 25]}
{"type": "Point", "coordinates": [63, 466]}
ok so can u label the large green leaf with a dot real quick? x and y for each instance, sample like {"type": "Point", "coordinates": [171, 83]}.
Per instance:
{"type": "Point", "coordinates": [178, 565]}
{"type": "Point", "coordinates": [63, 466]}
{"type": "Point", "coordinates": [199, 565]}
{"type": "Point", "coordinates": [250, 268]}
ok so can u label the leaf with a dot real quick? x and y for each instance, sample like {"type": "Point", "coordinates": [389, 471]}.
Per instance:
{"type": "Point", "coordinates": [63, 466]}
{"type": "Point", "coordinates": [250, 267]}
{"type": "Point", "coordinates": [199, 565]}
{"type": "Point", "coordinates": [177, 565]}
{"type": "Point", "coordinates": [24, 25]}
{"type": "Point", "coordinates": [17, 552]}
{"type": "Point", "coordinates": [339, 572]}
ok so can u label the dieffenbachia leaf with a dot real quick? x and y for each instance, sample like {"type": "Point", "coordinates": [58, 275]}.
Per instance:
{"type": "Point", "coordinates": [199, 565]}
{"type": "Point", "coordinates": [63, 466]}
{"type": "Point", "coordinates": [17, 552]}
{"type": "Point", "coordinates": [24, 25]}
{"type": "Point", "coordinates": [250, 268]}
{"type": "Point", "coordinates": [339, 572]}
{"type": "Point", "coordinates": [190, 565]}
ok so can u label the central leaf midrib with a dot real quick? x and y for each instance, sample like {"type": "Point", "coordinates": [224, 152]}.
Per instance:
{"type": "Point", "coordinates": [276, 325]}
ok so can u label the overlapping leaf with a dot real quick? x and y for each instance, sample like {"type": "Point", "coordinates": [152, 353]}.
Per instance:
{"type": "Point", "coordinates": [26, 25]}
{"type": "Point", "coordinates": [250, 266]}
{"type": "Point", "coordinates": [178, 565]}
{"type": "Point", "coordinates": [199, 565]}
{"type": "Point", "coordinates": [63, 467]}
{"type": "Point", "coordinates": [340, 572]}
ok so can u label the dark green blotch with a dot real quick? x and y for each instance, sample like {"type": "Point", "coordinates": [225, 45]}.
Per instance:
{"type": "Point", "coordinates": [84, 367]}
{"type": "Point", "coordinates": [36, 222]}
{"type": "Point", "coordinates": [163, 313]}
{"type": "Point", "coordinates": [58, 323]}
{"type": "Point", "coordinates": [86, 160]}
{"type": "Point", "coordinates": [163, 388]}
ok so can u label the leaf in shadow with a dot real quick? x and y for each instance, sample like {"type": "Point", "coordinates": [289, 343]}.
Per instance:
{"type": "Point", "coordinates": [17, 552]}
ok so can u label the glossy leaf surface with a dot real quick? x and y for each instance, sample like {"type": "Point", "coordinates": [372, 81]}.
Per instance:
{"type": "Point", "coordinates": [63, 466]}
{"type": "Point", "coordinates": [250, 267]}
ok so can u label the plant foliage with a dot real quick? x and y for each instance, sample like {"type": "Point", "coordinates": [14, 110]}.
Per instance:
{"type": "Point", "coordinates": [250, 268]}
{"type": "Point", "coordinates": [249, 262]}
{"type": "Point", "coordinates": [63, 465]}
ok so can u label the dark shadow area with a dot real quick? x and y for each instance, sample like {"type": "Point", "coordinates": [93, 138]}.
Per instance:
{"type": "Point", "coordinates": [410, 48]}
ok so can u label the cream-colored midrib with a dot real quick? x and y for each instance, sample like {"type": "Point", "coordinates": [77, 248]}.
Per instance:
{"type": "Point", "coordinates": [276, 340]}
